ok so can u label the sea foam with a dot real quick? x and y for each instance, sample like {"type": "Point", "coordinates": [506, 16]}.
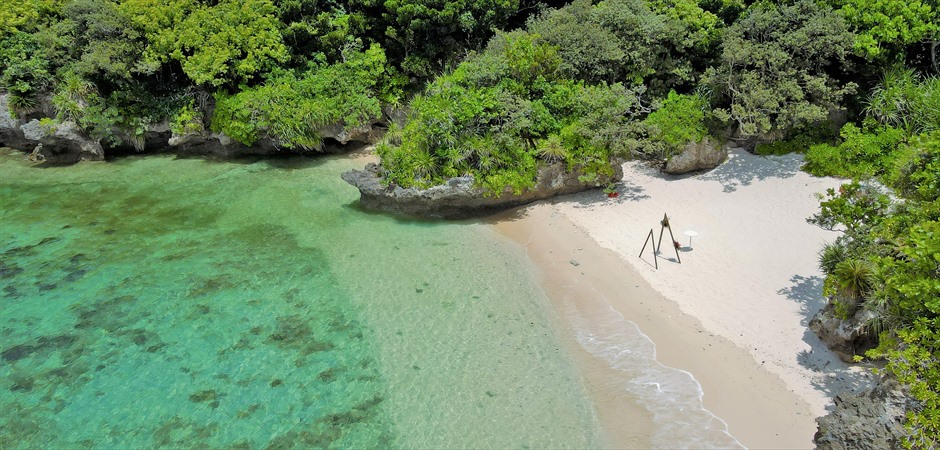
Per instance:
{"type": "Point", "coordinates": [672, 396]}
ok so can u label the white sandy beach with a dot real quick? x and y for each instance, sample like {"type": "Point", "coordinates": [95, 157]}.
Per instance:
{"type": "Point", "coordinates": [734, 312]}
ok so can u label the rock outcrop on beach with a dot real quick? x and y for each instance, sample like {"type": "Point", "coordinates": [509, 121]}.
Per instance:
{"type": "Point", "coordinates": [61, 142]}
{"type": "Point", "coordinates": [845, 337]}
{"type": "Point", "coordinates": [697, 156]}
{"type": "Point", "coordinates": [870, 420]}
{"type": "Point", "coordinates": [64, 142]}
{"type": "Point", "coordinates": [460, 197]}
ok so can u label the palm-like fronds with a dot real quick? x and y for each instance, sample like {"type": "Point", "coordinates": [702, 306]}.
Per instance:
{"type": "Point", "coordinates": [905, 100]}
{"type": "Point", "coordinates": [22, 102]}
{"type": "Point", "coordinates": [424, 165]}
{"type": "Point", "coordinates": [830, 256]}
{"type": "Point", "coordinates": [854, 277]}
{"type": "Point", "coordinates": [551, 150]}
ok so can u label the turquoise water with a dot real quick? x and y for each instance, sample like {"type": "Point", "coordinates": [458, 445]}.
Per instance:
{"type": "Point", "coordinates": [156, 301]}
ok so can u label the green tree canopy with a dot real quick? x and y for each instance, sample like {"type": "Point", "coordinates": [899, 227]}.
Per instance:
{"type": "Point", "coordinates": [772, 73]}
{"type": "Point", "coordinates": [427, 32]}
{"type": "Point", "coordinates": [233, 41]}
{"type": "Point", "coordinates": [886, 27]}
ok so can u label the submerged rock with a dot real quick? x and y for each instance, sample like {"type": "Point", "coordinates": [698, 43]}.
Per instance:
{"type": "Point", "coordinates": [845, 337]}
{"type": "Point", "coordinates": [873, 419]}
{"type": "Point", "coordinates": [459, 197]}
{"type": "Point", "coordinates": [697, 156]}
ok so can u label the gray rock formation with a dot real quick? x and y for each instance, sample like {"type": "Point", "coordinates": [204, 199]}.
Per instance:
{"type": "Point", "coordinates": [870, 420]}
{"type": "Point", "coordinates": [65, 143]}
{"type": "Point", "coordinates": [459, 198]}
{"type": "Point", "coordinates": [338, 132]}
{"type": "Point", "coordinates": [846, 338]}
{"type": "Point", "coordinates": [216, 144]}
{"type": "Point", "coordinates": [11, 135]}
{"type": "Point", "coordinates": [60, 142]}
{"type": "Point", "coordinates": [697, 156]}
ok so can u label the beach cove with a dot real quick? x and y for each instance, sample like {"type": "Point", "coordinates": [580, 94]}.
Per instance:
{"type": "Point", "coordinates": [189, 310]}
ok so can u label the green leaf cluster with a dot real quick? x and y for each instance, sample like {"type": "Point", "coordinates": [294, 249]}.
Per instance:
{"type": "Point", "coordinates": [863, 153]}
{"type": "Point", "coordinates": [290, 108]}
{"type": "Point", "coordinates": [233, 40]}
{"type": "Point", "coordinates": [24, 71]}
{"type": "Point", "coordinates": [906, 100]}
{"type": "Point", "coordinates": [664, 44]}
{"type": "Point", "coordinates": [886, 27]}
{"type": "Point", "coordinates": [427, 32]}
{"type": "Point", "coordinates": [500, 112]}
{"type": "Point", "coordinates": [187, 120]}
{"type": "Point", "coordinates": [772, 72]}
{"type": "Point", "coordinates": [681, 119]}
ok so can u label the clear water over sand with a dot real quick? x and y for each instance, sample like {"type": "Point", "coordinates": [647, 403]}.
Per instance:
{"type": "Point", "coordinates": [155, 301]}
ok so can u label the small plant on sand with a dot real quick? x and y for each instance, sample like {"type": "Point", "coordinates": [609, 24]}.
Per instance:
{"type": "Point", "coordinates": [611, 190]}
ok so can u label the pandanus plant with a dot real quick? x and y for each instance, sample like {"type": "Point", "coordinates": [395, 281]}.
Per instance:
{"type": "Point", "coordinates": [854, 277]}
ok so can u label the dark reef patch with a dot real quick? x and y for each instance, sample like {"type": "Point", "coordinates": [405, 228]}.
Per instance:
{"type": "Point", "coordinates": [111, 315]}
{"type": "Point", "coordinates": [203, 396]}
{"type": "Point", "coordinates": [295, 332]}
{"type": "Point", "coordinates": [41, 347]}
{"type": "Point", "coordinates": [9, 270]}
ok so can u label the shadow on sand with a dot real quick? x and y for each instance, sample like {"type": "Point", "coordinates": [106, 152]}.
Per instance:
{"type": "Point", "coordinates": [807, 291]}
{"type": "Point", "coordinates": [743, 168]}
{"type": "Point", "coordinates": [835, 377]}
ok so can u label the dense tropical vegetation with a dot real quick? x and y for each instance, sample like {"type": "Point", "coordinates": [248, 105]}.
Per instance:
{"type": "Point", "coordinates": [887, 262]}
{"type": "Point", "coordinates": [494, 88]}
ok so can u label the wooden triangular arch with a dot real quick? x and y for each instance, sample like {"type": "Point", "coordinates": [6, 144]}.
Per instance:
{"type": "Point", "coordinates": [650, 238]}
{"type": "Point", "coordinates": [664, 225]}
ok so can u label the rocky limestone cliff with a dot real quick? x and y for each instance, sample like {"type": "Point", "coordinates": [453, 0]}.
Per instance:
{"type": "Point", "coordinates": [870, 420]}
{"type": "Point", "coordinates": [846, 338]}
{"type": "Point", "coordinates": [459, 198]}
{"type": "Point", "coordinates": [64, 142]}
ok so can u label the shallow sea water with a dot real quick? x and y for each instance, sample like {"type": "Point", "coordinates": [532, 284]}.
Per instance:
{"type": "Point", "coordinates": [165, 302]}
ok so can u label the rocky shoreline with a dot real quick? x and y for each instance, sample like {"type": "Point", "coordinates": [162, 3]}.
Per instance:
{"type": "Point", "coordinates": [460, 197]}
{"type": "Point", "coordinates": [872, 418]}
{"type": "Point", "coordinates": [47, 139]}
{"type": "Point", "coordinates": [869, 420]}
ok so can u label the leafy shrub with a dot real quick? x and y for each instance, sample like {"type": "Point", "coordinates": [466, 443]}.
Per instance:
{"type": "Point", "coordinates": [854, 277]}
{"type": "Point", "coordinates": [799, 140]}
{"type": "Point", "coordinates": [111, 117]}
{"type": "Point", "coordinates": [289, 108]}
{"type": "Point", "coordinates": [831, 255]}
{"type": "Point", "coordinates": [906, 100]}
{"type": "Point", "coordinates": [230, 41]}
{"type": "Point", "coordinates": [863, 153]}
{"type": "Point", "coordinates": [187, 120]}
{"type": "Point", "coordinates": [917, 170]}
{"type": "Point", "coordinates": [772, 75]}
{"type": "Point", "coordinates": [24, 69]}
{"type": "Point", "coordinates": [680, 120]}
{"type": "Point", "coordinates": [501, 111]}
